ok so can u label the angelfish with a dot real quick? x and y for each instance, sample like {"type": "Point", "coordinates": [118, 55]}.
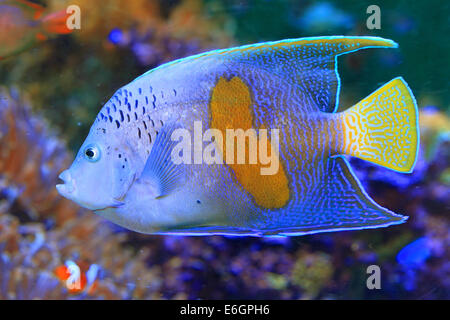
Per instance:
{"type": "Point", "coordinates": [125, 169]}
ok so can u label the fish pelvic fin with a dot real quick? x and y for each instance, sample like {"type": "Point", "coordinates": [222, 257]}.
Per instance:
{"type": "Point", "coordinates": [383, 127]}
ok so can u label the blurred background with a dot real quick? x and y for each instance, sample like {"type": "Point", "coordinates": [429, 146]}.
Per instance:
{"type": "Point", "coordinates": [53, 82]}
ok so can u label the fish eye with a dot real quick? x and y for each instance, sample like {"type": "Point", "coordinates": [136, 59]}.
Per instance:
{"type": "Point", "coordinates": [92, 153]}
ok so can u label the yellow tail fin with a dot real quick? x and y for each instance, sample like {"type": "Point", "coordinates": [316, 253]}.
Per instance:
{"type": "Point", "coordinates": [383, 128]}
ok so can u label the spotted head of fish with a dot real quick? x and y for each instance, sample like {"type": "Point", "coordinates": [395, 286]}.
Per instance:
{"type": "Point", "coordinates": [101, 173]}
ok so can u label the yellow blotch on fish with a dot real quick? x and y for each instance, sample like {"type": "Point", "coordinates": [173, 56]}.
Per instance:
{"type": "Point", "coordinates": [231, 108]}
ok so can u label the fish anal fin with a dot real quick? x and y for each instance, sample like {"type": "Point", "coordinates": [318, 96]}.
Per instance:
{"type": "Point", "coordinates": [337, 203]}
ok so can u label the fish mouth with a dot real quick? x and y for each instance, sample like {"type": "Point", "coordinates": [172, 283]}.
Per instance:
{"type": "Point", "coordinates": [67, 188]}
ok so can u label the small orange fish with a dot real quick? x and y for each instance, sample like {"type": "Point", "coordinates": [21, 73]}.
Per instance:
{"type": "Point", "coordinates": [22, 25]}
{"type": "Point", "coordinates": [79, 277]}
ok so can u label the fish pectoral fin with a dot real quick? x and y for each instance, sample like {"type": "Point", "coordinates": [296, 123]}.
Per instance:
{"type": "Point", "coordinates": [160, 172]}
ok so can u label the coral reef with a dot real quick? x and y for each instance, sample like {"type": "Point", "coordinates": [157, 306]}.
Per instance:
{"type": "Point", "coordinates": [312, 272]}
{"type": "Point", "coordinates": [78, 73]}
{"type": "Point", "coordinates": [39, 230]}
{"type": "Point", "coordinates": [29, 254]}
{"type": "Point", "coordinates": [434, 128]}
{"type": "Point", "coordinates": [30, 161]}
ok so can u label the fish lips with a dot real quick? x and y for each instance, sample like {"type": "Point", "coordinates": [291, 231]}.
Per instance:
{"type": "Point", "coordinates": [66, 189]}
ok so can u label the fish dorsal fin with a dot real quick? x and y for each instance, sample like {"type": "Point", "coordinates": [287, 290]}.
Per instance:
{"type": "Point", "coordinates": [309, 62]}
{"type": "Point", "coordinates": [160, 171]}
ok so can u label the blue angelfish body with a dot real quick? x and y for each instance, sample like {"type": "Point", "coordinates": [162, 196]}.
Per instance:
{"type": "Point", "coordinates": [289, 88]}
